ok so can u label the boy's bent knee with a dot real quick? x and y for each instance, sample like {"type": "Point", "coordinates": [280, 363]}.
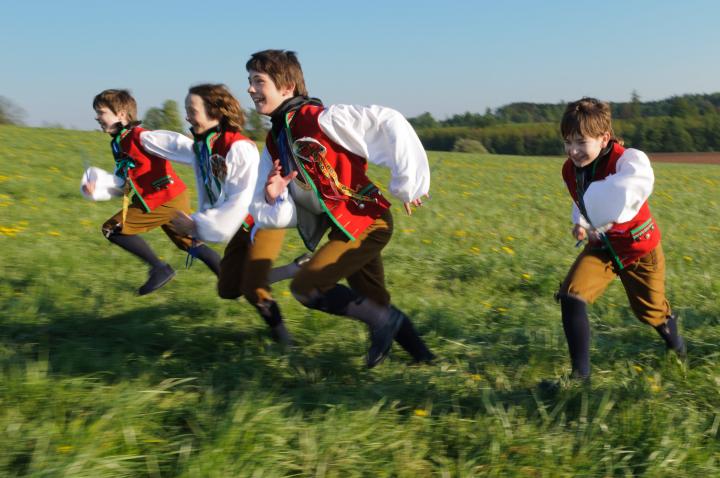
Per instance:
{"type": "Point", "coordinates": [110, 228]}
{"type": "Point", "coordinates": [334, 301]}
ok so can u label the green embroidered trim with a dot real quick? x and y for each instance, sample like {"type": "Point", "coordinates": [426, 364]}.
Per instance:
{"type": "Point", "coordinates": [613, 253]}
{"type": "Point", "coordinates": [142, 201]}
{"type": "Point", "coordinates": [308, 179]}
{"type": "Point", "coordinates": [640, 228]}
{"type": "Point", "coordinates": [162, 181]}
{"type": "Point", "coordinates": [367, 189]}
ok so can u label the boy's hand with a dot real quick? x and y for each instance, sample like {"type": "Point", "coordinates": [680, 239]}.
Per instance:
{"type": "Point", "coordinates": [184, 224]}
{"type": "Point", "coordinates": [89, 188]}
{"type": "Point", "coordinates": [276, 183]}
{"type": "Point", "coordinates": [579, 233]}
{"type": "Point", "coordinates": [416, 202]}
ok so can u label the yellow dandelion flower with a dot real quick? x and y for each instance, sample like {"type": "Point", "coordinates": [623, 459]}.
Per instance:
{"type": "Point", "coordinates": [3, 178]}
{"type": "Point", "coordinates": [460, 233]}
{"type": "Point", "coordinates": [526, 276]}
{"type": "Point", "coordinates": [509, 238]}
{"type": "Point", "coordinates": [476, 377]}
{"type": "Point", "coordinates": [54, 233]}
{"type": "Point", "coordinates": [426, 241]}
{"type": "Point", "coordinates": [475, 250]}
{"type": "Point", "coordinates": [408, 231]}
{"type": "Point", "coordinates": [638, 368]}
{"type": "Point", "coordinates": [64, 449]}
{"type": "Point", "coordinates": [419, 412]}
{"type": "Point", "coordinates": [655, 388]}
{"type": "Point", "coordinates": [688, 258]}
{"type": "Point", "coordinates": [502, 310]}
{"type": "Point", "coordinates": [508, 250]}
{"type": "Point", "coordinates": [286, 293]}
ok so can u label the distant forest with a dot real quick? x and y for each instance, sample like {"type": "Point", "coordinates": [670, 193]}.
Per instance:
{"type": "Point", "coordinates": [686, 123]}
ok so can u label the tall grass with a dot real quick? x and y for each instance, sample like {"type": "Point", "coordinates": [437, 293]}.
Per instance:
{"type": "Point", "coordinates": [99, 382]}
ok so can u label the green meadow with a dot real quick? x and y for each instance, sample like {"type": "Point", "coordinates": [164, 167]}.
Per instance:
{"type": "Point", "coordinates": [98, 382]}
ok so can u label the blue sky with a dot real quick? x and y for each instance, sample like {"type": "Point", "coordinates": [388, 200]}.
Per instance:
{"type": "Point", "coordinates": [443, 57]}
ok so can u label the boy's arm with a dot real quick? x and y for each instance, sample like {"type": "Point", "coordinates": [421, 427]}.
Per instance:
{"type": "Point", "coordinates": [219, 224]}
{"type": "Point", "coordinates": [169, 145]}
{"type": "Point", "coordinates": [578, 219]}
{"type": "Point", "coordinates": [99, 185]}
{"type": "Point", "coordinates": [619, 197]}
{"type": "Point", "coordinates": [281, 214]}
{"type": "Point", "coordinates": [384, 137]}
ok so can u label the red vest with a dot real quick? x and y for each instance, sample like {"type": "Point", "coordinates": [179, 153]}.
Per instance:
{"type": "Point", "coordinates": [220, 144]}
{"type": "Point", "coordinates": [152, 178]}
{"type": "Point", "coordinates": [350, 215]}
{"type": "Point", "coordinates": [628, 240]}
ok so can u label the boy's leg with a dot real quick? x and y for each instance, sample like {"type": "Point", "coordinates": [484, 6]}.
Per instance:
{"type": "Point", "coordinates": [230, 279]}
{"type": "Point", "coordinates": [644, 283]}
{"type": "Point", "coordinates": [238, 276]}
{"type": "Point", "coordinates": [197, 249]}
{"type": "Point", "coordinates": [588, 277]}
{"type": "Point", "coordinates": [369, 282]}
{"type": "Point", "coordinates": [255, 286]}
{"type": "Point", "coordinates": [316, 284]}
{"type": "Point", "coordinates": [126, 236]}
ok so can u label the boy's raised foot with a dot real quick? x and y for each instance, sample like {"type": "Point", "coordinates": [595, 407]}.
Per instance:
{"type": "Point", "coordinates": [158, 277]}
{"type": "Point", "coordinates": [381, 338]}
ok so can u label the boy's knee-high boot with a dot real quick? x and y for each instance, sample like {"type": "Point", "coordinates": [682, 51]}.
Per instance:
{"type": "Point", "coordinates": [409, 340]}
{"type": "Point", "coordinates": [577, 331]}
{"type": "Point", "coordinates": [270, 312]}
{"type": "Point", "coordinates": [668, 331]}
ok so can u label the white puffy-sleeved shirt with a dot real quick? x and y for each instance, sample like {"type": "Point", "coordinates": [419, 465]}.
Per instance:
{"type": "Point", "coordinates": [618, 197]}
{"type": "Point", "coordinates": [379, 134]}
{"type": "Point", "coordinates": [220, 221]}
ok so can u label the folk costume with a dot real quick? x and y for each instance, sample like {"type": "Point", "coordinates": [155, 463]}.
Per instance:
{"type": "Point", "coordinates": [226, 170]}
{"type": "Point", "coordinates": [610, 200]}
{"type": "Point", "coordinates": [153, 195]}
{"type": "Point", "coordinates": [330, 148]}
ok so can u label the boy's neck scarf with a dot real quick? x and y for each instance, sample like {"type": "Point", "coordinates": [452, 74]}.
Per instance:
{"type": "Point", "coordinates": [277, 118]}
{"type": "Point", "coordinates": [279, 133]}
{"type": "Point", "coordinates": [123, 162]}
{"type": "Point", "coordinates": [213, 168]}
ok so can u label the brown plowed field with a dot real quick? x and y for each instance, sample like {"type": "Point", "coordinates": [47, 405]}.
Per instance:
{"type": "Point", "coordinates": [698, 158]}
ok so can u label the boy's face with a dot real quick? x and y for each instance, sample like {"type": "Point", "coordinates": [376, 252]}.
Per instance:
{"type": "Point", "coordinates": [583, 150]}
{"type": "Point", "coordinates": [108, 120]}
{"type": "Point", "coordinates": [197, 116]}
{"type": "Point", "coordinates": [266, 96]}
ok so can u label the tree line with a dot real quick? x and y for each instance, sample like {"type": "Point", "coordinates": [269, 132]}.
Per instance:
{"type": "Point", "coordinates": [165, 117]}
{"type": "Point", "coordinates": [685, 123]}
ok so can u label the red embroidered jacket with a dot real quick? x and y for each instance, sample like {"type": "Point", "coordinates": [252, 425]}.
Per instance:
{"type": "Point", "coordinates": [627, 241]}
{"type": "Point", "coordinates": [151, 177]}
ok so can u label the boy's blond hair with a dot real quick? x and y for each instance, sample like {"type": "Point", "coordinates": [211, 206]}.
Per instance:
{"type": "Point", "coordinates": [117, 101]}
{"type": "Point", "coordinates": [587, 117]}
{"type": "Point", "coordinates": [283, 68]}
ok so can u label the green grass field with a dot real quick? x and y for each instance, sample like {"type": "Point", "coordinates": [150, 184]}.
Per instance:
{"type": "Point", "coordinates": [99, 382]}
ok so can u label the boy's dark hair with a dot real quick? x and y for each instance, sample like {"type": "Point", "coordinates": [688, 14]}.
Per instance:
{"type": "Point", "coordinates": [117, 101]}
{"type": "Point", "coordinates": [282, 66]}
{"type": "Point", "coordinates": [221, 105]}
{"type": "Point", "coordinates": [587, 117]}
